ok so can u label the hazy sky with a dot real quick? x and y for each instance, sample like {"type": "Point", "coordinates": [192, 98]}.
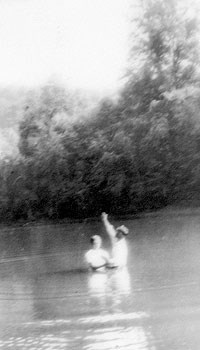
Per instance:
{"type": "Point", "coordinates": [82, 42]}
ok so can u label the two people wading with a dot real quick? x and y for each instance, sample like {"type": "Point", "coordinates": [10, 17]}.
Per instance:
{"type": "Point", "coordinates": [98, 259]}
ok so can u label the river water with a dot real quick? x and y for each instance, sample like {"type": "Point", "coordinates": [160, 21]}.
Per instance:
{"type": "Point", "coordinates": [48, 300]}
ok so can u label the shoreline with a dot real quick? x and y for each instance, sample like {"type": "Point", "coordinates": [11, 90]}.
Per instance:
{"type": "Point", "coordinates": [170, 210]}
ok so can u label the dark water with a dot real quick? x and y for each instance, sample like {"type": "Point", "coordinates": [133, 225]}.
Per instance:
{"type": "Point", "coordinates": [48, 300]}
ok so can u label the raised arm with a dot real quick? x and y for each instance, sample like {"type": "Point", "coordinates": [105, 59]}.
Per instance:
{"type": "Point", "coordinates": [108, 226]}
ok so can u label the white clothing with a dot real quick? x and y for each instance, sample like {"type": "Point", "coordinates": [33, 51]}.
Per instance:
{"type": "Point", "coordinates": [97, 257]}
{"type": "Point", "coordinates": [119, 247]}
{"type": "Point", "coordinates": [120, 252]}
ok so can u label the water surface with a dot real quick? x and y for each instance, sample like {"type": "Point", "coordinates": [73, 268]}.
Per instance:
{"type": "Point", "coordinates": [49, 301]}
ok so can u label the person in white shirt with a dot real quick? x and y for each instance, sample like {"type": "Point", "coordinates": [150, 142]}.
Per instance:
{"type": "Point", "coordinates": [97, 258]}
{"type": "Point", "coordinates": [118, 242]}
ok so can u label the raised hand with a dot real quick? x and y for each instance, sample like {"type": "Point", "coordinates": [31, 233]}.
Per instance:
{"type": "Point", "coordinates": [104, 216]}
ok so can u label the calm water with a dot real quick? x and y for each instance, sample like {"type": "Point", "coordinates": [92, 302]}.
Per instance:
{"type": "Point", "coordinates": [49, 301]}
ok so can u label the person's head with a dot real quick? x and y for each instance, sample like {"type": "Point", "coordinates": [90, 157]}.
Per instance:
{"type": "Point", "coordinates": [121, 232]}
{"type": "Point", "coordinates": [96, 241]}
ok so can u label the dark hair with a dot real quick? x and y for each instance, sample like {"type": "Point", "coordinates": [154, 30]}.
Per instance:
{"type": "Point", "coordinates": [95, 238]}
{"type": "Point", "coordinates": [92, 240]}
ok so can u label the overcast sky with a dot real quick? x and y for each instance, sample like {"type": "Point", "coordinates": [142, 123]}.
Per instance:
{"type": "Point", "coordinates": [82, 42]}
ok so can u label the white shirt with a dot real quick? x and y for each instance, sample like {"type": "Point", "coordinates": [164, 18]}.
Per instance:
{"type": "Point", "coordinates": [97, 257]}
{"type": "Point", "coordinates": [120, 252]}
{"type": "Point", "coordinates": [119, 247]}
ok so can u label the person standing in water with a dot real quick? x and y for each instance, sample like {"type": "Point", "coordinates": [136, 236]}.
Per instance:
{"type": "Point", "coordinates": [118, 242]}
{"type": "Point", "coordinates": [97, 258]}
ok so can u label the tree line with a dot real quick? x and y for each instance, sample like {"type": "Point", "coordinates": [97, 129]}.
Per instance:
{"type": "Point", "coordinates": [138, 151]}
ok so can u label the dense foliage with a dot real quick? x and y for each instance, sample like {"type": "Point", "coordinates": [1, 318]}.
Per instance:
{"type": "Point", "coordinates": [138, 152]}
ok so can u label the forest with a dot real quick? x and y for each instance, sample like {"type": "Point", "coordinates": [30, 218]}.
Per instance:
{"type": "Point", "coordinates": [136, 151]}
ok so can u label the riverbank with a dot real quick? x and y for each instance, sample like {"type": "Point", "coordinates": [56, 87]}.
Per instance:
{"type": "Point", "coordinates": [171, 210]}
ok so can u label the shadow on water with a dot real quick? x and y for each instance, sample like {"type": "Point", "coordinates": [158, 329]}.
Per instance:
{"type": "Point", "coordinates": [49, 300]}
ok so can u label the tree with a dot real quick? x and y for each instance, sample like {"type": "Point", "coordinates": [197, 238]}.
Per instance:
{"type": "Point", "coordinates": [163, 68]}
{"type": "Point", "coordinates": [164, 53]}
{"type": "Point", "coordinates": [37, 126]}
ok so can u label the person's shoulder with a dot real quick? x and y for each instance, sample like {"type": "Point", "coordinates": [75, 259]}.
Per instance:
{"type": "Point", "coordinates": [88, 253]}
{"type": "Point", "coordinates": [122, 241]}
{"type": "Point", "coordinates": [104, 252]}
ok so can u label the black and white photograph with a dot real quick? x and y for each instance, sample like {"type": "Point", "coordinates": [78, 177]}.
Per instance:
{"type": "Point", "coordinates": [99, 175]}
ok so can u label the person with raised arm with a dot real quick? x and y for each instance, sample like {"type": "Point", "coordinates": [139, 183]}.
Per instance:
{"type": "Point", "coordinates": [118, 242]}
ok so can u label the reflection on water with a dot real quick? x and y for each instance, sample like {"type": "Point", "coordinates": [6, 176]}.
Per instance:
{"type": "Point", "coordinates": [97, 283]}
{"type": "Point", "coordinates": [114, 317]}
{"type": "Point", "coordinates": [120, 281]}
{"type": "Point", "coordinates": [109, 288]}
{"type": "Point", "coordinates": [103, 339]}
{"type": "Point", "coordinates": [120, 338]}
{"type": "Point", "coordinates": [117, 280]}
{"type": "Point", "coordinates": [35, 342]}
{"type": "Point", "coordinates": [49, 301]}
